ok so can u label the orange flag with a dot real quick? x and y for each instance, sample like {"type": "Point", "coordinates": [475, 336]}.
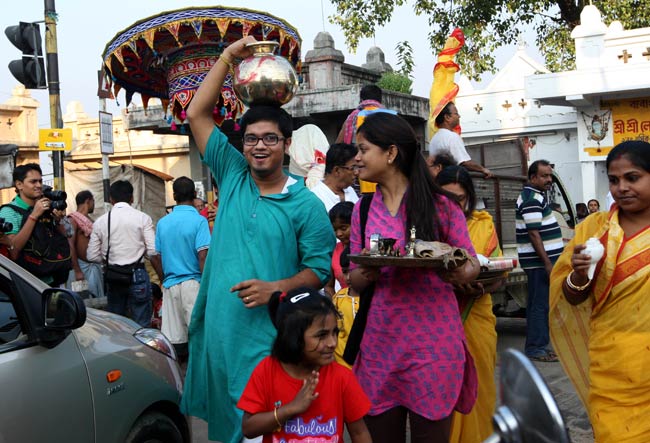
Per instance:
{"type": "Point", "coordinates": [443, 89]}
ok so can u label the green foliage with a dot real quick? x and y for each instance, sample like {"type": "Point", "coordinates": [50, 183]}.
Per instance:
{"type": "Point", "coordinates": [405, 58]}
{"type": "Point", "coordinates": [489, 24]}
{"type": "Point", "coordinates": [395, 81]}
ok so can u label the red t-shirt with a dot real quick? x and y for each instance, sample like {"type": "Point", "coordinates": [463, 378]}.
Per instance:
{"type": "Point", "coordinates": [340, 400]}
{"type": "Point", "coordinates": [204, 212]}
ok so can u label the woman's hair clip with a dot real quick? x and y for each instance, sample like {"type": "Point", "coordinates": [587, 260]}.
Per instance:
{"type": "Point", "coordinates": [296, 298]}
{"type": "Point", "coordinates": [283, 294]}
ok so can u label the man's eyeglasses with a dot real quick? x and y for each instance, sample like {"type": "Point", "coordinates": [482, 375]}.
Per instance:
{"type": "Point", "coordinates": [349, 168]}
{"type": "Point", "coordinates": [268, 139]}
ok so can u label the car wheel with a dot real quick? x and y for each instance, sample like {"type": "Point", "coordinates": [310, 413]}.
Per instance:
{"type": "Point", "coordinates": [154, 427]}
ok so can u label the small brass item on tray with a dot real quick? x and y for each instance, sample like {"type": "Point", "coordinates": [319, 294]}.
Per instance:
{"type": "Point", "coordinates": [386, 247]}
{"type": "Point", "coordinates": [410, 250]}
{"type": "Point", "coordinates": [426, 255]}
{"type": "Point", "coordinates": [374, 244]}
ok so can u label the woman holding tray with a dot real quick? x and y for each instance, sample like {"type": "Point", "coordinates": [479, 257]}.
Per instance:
{"type": "Point", "coordinates": [413, 362]}
{"type": "Point", "coordinates": [475, 306]}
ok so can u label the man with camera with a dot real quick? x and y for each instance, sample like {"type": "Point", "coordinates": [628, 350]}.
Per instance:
{"type": "Point", "coordinates": [122, 238]}
{"type": "Point", "coordinates": [36, 241]}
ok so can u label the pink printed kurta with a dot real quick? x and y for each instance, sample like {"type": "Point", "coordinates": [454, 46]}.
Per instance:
{"type": "Point", "coordinates": [413, 351]}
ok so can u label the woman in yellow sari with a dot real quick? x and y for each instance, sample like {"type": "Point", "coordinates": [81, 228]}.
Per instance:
{"type": "Point", "coordinates": [600, 327]}
{"type": "Point", "coordinates": [475, 306]}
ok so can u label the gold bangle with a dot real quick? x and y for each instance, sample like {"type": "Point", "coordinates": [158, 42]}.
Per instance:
{"type": "Point", "coordinates": [226, 60]}
{"type": "Point", "coordinates": [573, 286]}
{"type": "Point", "coordinates": [277, 420]}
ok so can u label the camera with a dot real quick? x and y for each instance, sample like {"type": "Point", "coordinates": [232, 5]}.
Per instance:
{"type": "Point", "coordinates": [57, 197]}
{"type": "Point", "coordinates": [5, 226]}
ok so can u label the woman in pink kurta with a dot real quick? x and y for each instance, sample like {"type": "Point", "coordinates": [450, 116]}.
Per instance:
{"type": "Point", "coordinates": [413, 361]}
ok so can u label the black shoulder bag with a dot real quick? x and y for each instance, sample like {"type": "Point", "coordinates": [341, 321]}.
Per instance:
{"type": "Point", "coordinates": [120, 275]}
{"type": "Point", "coordinates": [47, 251]}
{"type": "Point", "coordinates": [365, 298]}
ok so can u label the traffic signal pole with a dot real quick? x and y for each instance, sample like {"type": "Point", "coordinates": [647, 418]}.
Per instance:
{"type": "Point", "coordinates": [52, 62]}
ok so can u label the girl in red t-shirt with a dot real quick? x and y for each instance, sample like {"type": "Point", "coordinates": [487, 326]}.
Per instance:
{"type": "Point", "coordinates": [340, 217]}
{"type": "Point", "coordinates": [300, 393]}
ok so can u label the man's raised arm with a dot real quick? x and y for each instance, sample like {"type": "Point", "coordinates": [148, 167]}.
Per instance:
{"type": "Point", "coordinates": [199, 113]}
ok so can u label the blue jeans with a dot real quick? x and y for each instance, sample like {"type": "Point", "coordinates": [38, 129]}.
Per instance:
{"type": "Point", "coordinates": [537, 337]}
{"type": "Point", "coordinates": [134, 300]}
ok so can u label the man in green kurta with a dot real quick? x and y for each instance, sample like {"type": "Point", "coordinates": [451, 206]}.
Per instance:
{"type": "Point", "coordinates": [271, 234]}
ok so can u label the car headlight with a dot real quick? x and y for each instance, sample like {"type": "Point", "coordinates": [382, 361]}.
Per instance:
{"type": "Point", "coordinates": [155, 340]}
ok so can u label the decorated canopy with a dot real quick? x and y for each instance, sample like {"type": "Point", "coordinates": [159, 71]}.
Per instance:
{"type": "Point", "coordinates": [168, 55]}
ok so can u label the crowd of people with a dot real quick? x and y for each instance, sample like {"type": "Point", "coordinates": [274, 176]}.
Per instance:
{"type": "Point", "coordinates": [260, 296]}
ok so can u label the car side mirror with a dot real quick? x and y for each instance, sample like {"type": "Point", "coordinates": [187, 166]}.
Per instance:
{"type": "Point", "coordinates": [63, 310]}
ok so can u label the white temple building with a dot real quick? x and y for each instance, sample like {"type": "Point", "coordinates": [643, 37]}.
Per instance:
{"type": "Point", "coordinates": [573, 118]}
{"type": "Point", "coordinates": [609, 91]}
{"type": "Point", "coordinates": [507, 130]}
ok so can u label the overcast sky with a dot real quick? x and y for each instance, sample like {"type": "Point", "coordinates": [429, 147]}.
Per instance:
{"type": "Point", "coordinates": [84, 27]}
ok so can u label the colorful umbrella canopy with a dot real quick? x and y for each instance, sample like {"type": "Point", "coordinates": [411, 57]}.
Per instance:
{"type": "Point", "coordinates": [168, 55]}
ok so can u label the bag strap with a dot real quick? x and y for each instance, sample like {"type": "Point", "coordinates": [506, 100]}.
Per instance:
{"type": "Point", "coordinates": [359, 324]}
{"type": "Point", "coordinates": [364, 208]}
{"type": "Point", "coordinates": [108, 249]}
{"type": "Point", "coordinates": [24, 212]}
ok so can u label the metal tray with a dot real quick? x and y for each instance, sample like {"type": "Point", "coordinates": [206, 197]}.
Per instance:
{"type": "Point", "coordinates": [403, 262]}
{"type": "Point", "coordinates": [489, 277]}
{"type": "Point", "coordinates": [493, 274]}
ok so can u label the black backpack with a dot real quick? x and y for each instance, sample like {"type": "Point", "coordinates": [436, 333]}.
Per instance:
{"type": "Point", "coordinates": [47, 252]}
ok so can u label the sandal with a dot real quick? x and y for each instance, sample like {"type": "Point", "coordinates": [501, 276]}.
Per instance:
{"type": "Point", "coordinates": [548, 358]}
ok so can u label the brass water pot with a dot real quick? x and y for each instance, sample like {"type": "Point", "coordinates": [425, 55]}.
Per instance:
{"type": "Point", "coordinates": [265, 78]}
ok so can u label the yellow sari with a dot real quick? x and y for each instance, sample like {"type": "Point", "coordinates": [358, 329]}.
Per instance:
{"type": "Point", "coordinates": [347, 305]}
{"type": "Point", "coordinates": [604, 343]}
{"type": "Point", "coordinates": [481, 341]}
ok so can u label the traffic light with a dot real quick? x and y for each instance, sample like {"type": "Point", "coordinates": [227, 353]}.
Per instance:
{"type": "Point", "coordinates": [30, 70]}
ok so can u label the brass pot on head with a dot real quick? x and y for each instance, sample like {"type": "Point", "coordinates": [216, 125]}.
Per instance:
{"type": "Point", "coordinates": [265, 78]}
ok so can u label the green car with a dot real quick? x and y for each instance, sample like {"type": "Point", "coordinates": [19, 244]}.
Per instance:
{"type": "Point", "coordinates": [70, 375]}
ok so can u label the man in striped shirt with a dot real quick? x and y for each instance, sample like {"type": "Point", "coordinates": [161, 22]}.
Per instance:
{"type": "Point", "coordinates": [539, 244]}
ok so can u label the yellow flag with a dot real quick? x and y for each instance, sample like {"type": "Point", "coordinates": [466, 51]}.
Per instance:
{"type": "Point", "coordinates": [443, 89]}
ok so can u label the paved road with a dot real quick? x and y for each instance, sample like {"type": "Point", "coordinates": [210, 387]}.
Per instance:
{"type": "Point", "coordinates": [512, 334]}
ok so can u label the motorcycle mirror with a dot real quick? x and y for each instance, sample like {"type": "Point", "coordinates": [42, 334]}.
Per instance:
{"type": "Point", "coordinates": [528, 411]}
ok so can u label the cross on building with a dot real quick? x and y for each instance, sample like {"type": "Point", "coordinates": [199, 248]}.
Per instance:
{"type": "Point", "coordinates": [478, 108]}
{"type": "Point", "coordinates": [646, 54]}
{"type": "Point", "coordinates": [507, 105]}
{"type": "Point", "coordinates": [625, 56]}
{"type": "Point", "coordinates": [522, 103]}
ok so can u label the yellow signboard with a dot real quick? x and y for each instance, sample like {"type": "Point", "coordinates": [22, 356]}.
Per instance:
{"type": "Point", "coordinates": [630, 118]}
{"type": "Point", "coordinates": [55, 139]}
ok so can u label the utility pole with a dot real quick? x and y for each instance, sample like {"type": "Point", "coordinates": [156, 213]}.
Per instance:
{"type": "Point", "coordinates": [52, 64]}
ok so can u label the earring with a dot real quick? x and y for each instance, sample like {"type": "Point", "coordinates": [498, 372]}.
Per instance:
{"type": "Point", "coordinates": [390, 161]}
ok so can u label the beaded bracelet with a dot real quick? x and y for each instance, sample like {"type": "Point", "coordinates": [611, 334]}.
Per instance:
{"type": "Point", "coordinates": [573, 286]}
